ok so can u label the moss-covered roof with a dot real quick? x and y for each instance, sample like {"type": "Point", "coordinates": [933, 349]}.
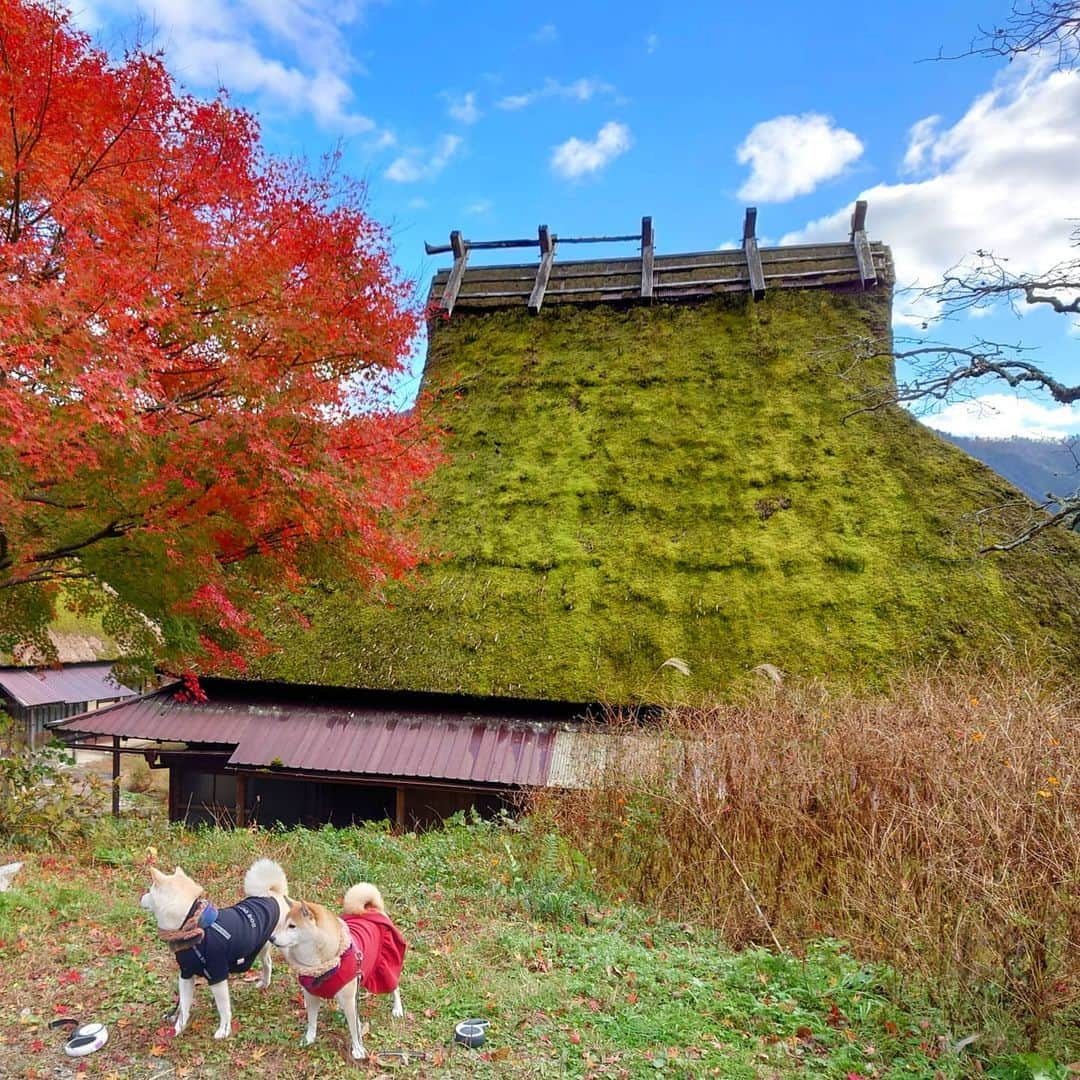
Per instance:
{"type": "Point", "coordinates": [626, 485]}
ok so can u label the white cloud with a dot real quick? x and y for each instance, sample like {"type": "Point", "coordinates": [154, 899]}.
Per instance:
{"type": "Point", "coordinates": [546, 35]}
{"type": "Point", "coordinates": [921, 138]}
{"type": "Point", "coordinates": [791, 155]}
{"type": "Point", "coordinates": [418, 203]}
{"type": "Point", "coordinates": [404, 170]}
{"type": "Point", "coordinates": [577, 157]}
{"type": "Point", "coordinates": [462, 107]}
{"type": "Point", "coordinates": [1001, 416]}
{"type": "Point", "coordinates": [652, 43]}
{"type": "Point", "coordinates": [1003, 178]}
{"type": "Point", "coordinates": [384, 140]}
{"type": "Point", "coordinates": [293, 55]}
{"type": "Point", "coordinates": [416, 165]}
{"type": "Point", "coordinates": [480, 207]}
{"type": "Point", "coordinates": [578, 90]}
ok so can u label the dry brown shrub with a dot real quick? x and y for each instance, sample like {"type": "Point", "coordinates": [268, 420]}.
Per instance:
{"type": "Point", "coordinates": [935, 827]}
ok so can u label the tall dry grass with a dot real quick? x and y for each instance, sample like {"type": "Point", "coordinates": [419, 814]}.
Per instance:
{"type": "Point", "coordinates": [936, 827]}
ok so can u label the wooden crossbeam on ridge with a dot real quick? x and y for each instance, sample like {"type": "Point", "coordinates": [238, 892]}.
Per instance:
{"type": "Point", "coordinates": [453, 283]}
{"type": "Point", "coordinates": [864, 256]}
{"type": "Point", "coordinates": [543, 271]}
{"type": "Point", "coordinates": [753, 255]}
{"type": "Point", "coordinates": [660, 278]}
{"type": "Point", "coordinates": [647, 240]}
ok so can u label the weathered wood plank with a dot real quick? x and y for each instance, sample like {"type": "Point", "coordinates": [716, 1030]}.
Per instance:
{"type": "Point", "coordinates": [858, 263]}
{"type": "Point", "coordinates": [753, 256]}
{"type": "Point", "coordinates": [543, 271]}
{"type": "Point", "coordinates": [486, 245]}
{"type": "Point", "coordinates": [646, 258]}
{"type": "Point", "coordinates": [453, 282]}
{"type": "Point", "coordinates": [863, 255]}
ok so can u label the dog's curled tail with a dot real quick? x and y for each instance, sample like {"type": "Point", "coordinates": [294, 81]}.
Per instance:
{"type": "Point", "coordinates": [265, 878]}
{"type": "Point", "coordinates": [363, 897]}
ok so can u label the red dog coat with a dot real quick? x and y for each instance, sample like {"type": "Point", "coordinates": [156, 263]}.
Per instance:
{"type": "Point", "coordinates": [376, 954]}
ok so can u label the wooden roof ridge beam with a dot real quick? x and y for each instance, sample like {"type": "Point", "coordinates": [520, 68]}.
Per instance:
{"type": "Point", "coordinates": [453, 283]}
{"type": "Point", "coordinates": [753, 255]}
{"type": "Point", "coordinates": [647, 241]}
{"type": "Point", "coordinates": [864, 256]}
{"type": "Point", "coordinates": [543, 271]}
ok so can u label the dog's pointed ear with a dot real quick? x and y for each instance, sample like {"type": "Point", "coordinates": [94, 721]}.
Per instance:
{"type": "Point", "coordinates": [178, 871]}
{"type": "Point", "coordinates": [157, 876]}
{"type": "Point", "coordinates": [305, 911]}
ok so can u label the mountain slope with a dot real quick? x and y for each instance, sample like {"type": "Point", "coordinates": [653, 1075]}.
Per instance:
{"type": "Point", "coordinates": [1035, 466]}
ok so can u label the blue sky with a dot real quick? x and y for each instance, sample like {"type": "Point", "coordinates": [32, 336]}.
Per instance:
{"type": "Point", "coordinates": [494, 118]}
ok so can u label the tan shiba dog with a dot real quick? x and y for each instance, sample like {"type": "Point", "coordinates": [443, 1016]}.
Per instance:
{"type": "Point", "coordinates": [217, 944]}
{"type": "Point", "coordinates": [334, 955]}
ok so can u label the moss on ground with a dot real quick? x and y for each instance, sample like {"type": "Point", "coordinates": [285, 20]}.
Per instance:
{"type": "Point", "coordinates": [629, 485]}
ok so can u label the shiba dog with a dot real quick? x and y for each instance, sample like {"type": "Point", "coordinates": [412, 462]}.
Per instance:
{"type": "Point", "coordinates": [334, 955]}
{"type": "Point", "coordinates": [213, 943]}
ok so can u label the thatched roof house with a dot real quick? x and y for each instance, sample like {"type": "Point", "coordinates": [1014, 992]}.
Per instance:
{"type": "Point", "coordinates": [648, 458]}
{"type": "Point", "coordinates": [662, 468]}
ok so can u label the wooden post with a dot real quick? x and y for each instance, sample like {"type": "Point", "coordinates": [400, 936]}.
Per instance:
{"type": "Point", "coordinates": [543, 271]}
{"type": "Point", "coordinates": [753, 256]}
{"type": "Point", "coordinates": [116, 776]}
{"type": "Point", "coordinates": [399, 809]}
{"type": "Point", "coordinates": [174, 793]}
{"type": "Point", "coordinates": [864, 256]}
{"type": "Point", "coordinates": [457, 272]}
{"type": "Point", "coordinates": [646, 258]}
{"type": "Point", "coordinates": [241, 800]}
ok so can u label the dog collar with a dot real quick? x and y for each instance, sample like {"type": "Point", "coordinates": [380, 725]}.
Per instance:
{"type": "Point", "coordinates": [328, 983]}
{"type": "Point", "coordinates": [192, 930]}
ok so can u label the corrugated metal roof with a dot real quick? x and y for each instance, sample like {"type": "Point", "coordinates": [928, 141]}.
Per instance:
{"type": "Point", "coordinates": [72, 685]}
{"type": "Point", "coordinates": [428, 743]}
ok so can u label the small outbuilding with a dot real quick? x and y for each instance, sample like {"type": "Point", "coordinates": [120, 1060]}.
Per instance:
{"type": "Point", "coordinates": [310, 755]}
{"type": "Point", "coordinates": [35, 697]}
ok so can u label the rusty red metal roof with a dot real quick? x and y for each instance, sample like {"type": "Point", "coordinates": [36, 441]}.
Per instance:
{"type": "Point", "coordinates": [72, 684]}
{"type": "Point", "coordinates": [413, 739]}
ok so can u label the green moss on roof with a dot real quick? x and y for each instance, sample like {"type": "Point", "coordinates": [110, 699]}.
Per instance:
{"type": "Point", "coordinates": [629, 485]}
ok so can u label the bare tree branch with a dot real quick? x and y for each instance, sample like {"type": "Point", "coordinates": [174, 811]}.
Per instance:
{"type": "Point", "coordinates": [1068, 515]}
{"type": "Point", "coordinates": [1032, 26]}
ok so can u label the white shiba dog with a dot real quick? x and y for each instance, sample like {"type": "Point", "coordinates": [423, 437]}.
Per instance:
{"type": "Point", "coordinates": [213, 943]}
{"type": "Point", "coordinates": [335, 955]}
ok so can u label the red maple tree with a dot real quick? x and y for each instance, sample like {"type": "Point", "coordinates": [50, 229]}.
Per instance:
{"type": "Point", "coordinates": [194, 337]}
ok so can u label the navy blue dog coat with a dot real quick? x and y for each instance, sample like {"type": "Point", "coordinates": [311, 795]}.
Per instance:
{"type": "Point", "coordinates": [233, 937]}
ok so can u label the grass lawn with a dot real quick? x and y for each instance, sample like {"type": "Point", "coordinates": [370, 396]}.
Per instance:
{"type": "Point", "coordinates": [572, 986]}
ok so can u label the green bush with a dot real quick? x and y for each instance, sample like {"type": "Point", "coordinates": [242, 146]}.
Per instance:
{"type": "Point", "coordinates": [41, 804]}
